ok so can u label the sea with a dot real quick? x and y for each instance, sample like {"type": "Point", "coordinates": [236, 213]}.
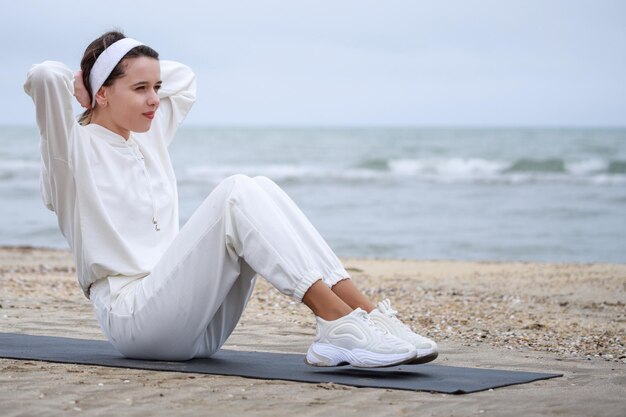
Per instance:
{"type": "Point", "coordinates": [487, 194]}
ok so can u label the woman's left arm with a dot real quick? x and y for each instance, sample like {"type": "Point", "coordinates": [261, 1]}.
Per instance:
{"type": "Point", "coordinates": [177, 94]}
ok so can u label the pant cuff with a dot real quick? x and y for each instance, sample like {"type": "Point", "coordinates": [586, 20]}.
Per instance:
{"type": "Point", "coordinates": [305, 283]}
{"type": "Point", "coordinates": [335, 276]}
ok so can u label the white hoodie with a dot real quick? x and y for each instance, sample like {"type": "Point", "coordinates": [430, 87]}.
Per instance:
{"type": "Point", "coordinates": [105, 190]}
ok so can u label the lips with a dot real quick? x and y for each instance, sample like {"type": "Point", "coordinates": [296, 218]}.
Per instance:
{"type": "Point", "coordinates": [149, 115]}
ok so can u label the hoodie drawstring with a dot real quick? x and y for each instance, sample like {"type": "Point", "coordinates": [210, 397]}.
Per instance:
{"type": "Point", "coordinates": [140, 158]}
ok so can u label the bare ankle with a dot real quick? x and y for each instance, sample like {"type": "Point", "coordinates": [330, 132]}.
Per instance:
{"type": "Point", "coordinates": [324, 303]}
{"type": "Point", "coordinates": [350, 294]}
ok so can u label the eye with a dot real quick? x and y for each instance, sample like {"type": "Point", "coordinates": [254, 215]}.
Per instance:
{"type": "Point", "coordinates": [141, 87]}
{"type": "Point", "coordinates": [157, 87]}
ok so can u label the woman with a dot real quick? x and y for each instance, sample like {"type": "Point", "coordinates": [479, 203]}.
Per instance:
{"type": "Point", "coordinates": [161, 293]}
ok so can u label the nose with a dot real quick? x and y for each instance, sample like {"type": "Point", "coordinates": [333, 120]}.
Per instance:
{"type": "Point", "coordinates": [153, 99]}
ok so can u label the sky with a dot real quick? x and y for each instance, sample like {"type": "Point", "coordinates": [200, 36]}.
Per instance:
{"type": "Point", "coordinates": [450, 63]}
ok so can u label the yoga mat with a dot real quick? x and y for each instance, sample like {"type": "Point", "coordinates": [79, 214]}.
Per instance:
{"type": "Point", "coordinates": [268, 365]}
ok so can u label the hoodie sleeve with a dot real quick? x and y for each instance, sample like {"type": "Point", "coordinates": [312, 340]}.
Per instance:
{"type": "Point", "coordinates": [50, 85]}
{"type": "Point", "coordinates": [177, 94]}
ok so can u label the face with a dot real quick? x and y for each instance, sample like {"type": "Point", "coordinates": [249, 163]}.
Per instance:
{"type": "Point", "coordinates": [129, 104]}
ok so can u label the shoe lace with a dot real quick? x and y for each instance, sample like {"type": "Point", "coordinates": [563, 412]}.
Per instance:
{"type": "Point", "coordinates": [366, 317]}
{"type": "Point", "coordinates": [391, 313]}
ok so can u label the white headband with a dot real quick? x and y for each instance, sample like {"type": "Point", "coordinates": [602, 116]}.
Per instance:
{"type": "Point", "coordinates": [105, 63]}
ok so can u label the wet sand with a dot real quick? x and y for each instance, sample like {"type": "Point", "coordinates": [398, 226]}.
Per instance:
{"type": "Point", "coordinates": [567, 318]}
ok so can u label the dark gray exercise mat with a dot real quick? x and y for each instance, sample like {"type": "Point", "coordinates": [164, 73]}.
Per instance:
{"type": "Point", "coordinates": [267, 365]}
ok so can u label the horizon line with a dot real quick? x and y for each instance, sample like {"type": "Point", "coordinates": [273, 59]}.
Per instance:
{"type": "Point", "coordinates": [280, 126]}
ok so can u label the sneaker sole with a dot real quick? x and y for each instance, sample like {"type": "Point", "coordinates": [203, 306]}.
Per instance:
{"type": "Point", "coordinates": [327, 355]}
{"type": "Point", "coordinates": [423, 359]}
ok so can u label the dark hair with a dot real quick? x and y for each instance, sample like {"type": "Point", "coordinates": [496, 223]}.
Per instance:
{"type": "Point", "coordinates": [92, 53]}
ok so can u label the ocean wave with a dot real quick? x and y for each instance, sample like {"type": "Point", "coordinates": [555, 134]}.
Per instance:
{"type": "Point", "coordinates": [285, 172]}
{"type": "Point", "coordinates": [450, 168]}
{"type": "Point", "coordinates": [538, 165]}
{"type": "Point", "coordinates": [617, 167]}
{"type": "Point", "coordinates": [444, 170]}
{"type": "Point", "coordinates": [18, 168]}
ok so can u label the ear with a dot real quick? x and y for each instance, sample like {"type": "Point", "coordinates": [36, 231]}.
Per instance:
{"type": "Point", "coordinates": [102, 97]}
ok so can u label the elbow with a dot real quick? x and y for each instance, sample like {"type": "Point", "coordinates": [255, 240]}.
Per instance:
{"type": "Point", "coordinates": [42, 72]}
{"type": "Point", "coordinates": [178, 79]}
{"type": "Point", "coordinates": [45, 73]}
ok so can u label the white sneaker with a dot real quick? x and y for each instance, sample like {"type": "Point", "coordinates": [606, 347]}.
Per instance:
{"type": "Point", "coordinates": [355, 340]}
{"type": "Point", "coordinates": [385, 317]}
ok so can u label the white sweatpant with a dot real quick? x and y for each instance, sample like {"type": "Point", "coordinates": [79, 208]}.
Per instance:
{"type": "Point", "coordinates": [194, 296]}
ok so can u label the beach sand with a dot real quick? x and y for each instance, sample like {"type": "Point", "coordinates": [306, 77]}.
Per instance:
{"type": "Point", "coordinates": [566, 318]}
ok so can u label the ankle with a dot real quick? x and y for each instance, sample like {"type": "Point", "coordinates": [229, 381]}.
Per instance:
{"type": "Point", "coordinates": [350, 294]}
{"type": "Point", "coordinates": [324, 303]}
{"type": "Point", "coordinates": [331, 314]}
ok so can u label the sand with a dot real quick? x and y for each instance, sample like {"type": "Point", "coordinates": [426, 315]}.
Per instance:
{"type": "Point", "coordinates": [567, 318]}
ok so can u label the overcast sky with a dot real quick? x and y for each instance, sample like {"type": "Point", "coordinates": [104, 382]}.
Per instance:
{"type": "Point", "coordinates": [334, 62]}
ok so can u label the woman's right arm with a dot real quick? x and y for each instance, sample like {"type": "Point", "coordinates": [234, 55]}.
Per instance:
{"type": "Point", "coordinates": [50, 85]}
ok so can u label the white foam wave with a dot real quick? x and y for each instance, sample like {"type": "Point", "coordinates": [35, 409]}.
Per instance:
{"type": "Point", "coordinates": [18, 165]}
{"type": "Point", "coordinates": [285, 172]}
{"type": "Point", "coordinates": [477, 170]}
{"type": "Point", "coordinates": [605, 179]}
{"type": "Point", "coordinates": [441, 170]}
{"type": "Point", "coordinates": [451, 170]}
{"type": "Point", "coordinates": [586, 167]}
{"type": "Point", "coordinates": [18, 168]}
